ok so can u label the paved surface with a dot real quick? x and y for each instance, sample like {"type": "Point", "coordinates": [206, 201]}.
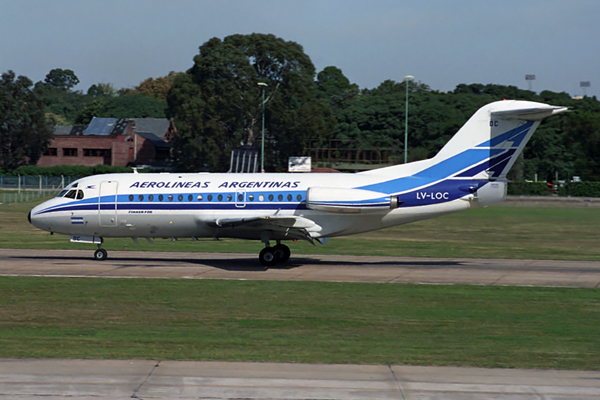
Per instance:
{"type": "Point", "coordinates": [302, 267]}
{"type": "Point", "coordinates": [109, 379]}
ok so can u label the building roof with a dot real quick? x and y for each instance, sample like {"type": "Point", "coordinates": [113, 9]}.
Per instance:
{"type": "Point", "coordinates": [158, 126]}
{"type": "Point", "coordinates": [106, 127]}
{"type": "Point", "coordinates": [66, 130]}
{"type": "Point", "coordinates": [155, 140]}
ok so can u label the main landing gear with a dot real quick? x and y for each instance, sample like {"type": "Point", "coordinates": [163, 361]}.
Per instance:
{"type": "Point", "coordinates": [271, 256]}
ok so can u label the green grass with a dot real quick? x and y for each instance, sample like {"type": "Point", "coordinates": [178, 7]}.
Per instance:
{"type": "Point", "coordinates": [309, 322]}
{"type": "Point", "coordinates": [499, 231]}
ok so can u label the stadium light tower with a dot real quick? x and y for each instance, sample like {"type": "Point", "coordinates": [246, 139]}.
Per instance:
{"type": "Point", "coordinates": [584, 85]}
{"type": "Point", "coordinates": [407, 79]}
{"type": "Point", "coordinates": [530, 78]}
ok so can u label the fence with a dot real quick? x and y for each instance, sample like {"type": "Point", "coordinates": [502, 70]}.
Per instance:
{"type": "Point", "coordinates": [15, 189]}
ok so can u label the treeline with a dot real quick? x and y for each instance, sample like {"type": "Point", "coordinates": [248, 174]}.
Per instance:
{"type": "Point", "coordinates": [70, 107]}
{"type": "Point", "coordinates": [218, 104]}
{"type": "Point", "coordinates": [567, 145]}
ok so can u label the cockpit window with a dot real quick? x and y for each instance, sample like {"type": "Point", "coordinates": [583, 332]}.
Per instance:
{"type": "Point", "coordinates": [71, 194]}
{"type": "Point", "coordinates": [62, 193]}
{"type": "Point", "coordinates": [79, 194]}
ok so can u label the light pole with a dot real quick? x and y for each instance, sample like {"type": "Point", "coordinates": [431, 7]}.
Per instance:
{"type": "Point", "coordinates": [407, 79]}
{"type": "Point", "coordinates": [262, 143]}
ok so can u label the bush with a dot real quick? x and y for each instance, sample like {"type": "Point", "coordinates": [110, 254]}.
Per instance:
{"type": "Point", "coordinates": [583, 189]}
{"type": "Point", "coordinates": [528, 189]}
{"type": "Point", "coordinates": [78, 171]}
{"type": "Point", "coordinates": [577, 189]}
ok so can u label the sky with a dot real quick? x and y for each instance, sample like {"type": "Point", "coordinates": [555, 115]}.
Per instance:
{"type": "Point", "coordinates": [442, 43]}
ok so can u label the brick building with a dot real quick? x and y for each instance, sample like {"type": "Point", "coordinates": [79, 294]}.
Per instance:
{"type": "Point", "coordinates": [111, 141]}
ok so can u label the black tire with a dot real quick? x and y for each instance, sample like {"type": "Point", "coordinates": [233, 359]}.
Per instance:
{"type": "Point", "coordinates": [100, 255]}
{"type": "Point", "coordinates": [267, 257]}
{"type": "Point", "coordinates": [282, 253]}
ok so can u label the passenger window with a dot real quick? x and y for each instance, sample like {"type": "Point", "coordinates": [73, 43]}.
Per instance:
{"type": "Point", "coordinates": [299, 197]}
{"type": "Point", "coordinates": [141, 197]}
{"type": "Point", "coordinates": [229, 197]}
{"type": "Point", "coordinates": [190, 197]}
{"type": "Point", "coordinates": [289, 197]}
{"type": "Point", "coordinates": [280, 197]}
{"type": "Point", "coordinates": [251, 197]}
{"type": "Point", "coordinates": [151, 197]}
{"type": "Point", "coordinates": [180, 197]}
{"type": "Point", "coordinates": [261, 197]}
{"type": "Point", "coordinates": [220, 197]}
{"type": "Point", "coordinates": [160, 197]}
{"type": "Point", "coordinates": [199, 197]}
{"type": "Point", "coordinates": [209, 197]}
{"type": "Point", "coordinates": [270, 197]}
{"type": "Point", "coordinates": [240, 197]}
{"type": "Point", "coordinates": [170, 197]}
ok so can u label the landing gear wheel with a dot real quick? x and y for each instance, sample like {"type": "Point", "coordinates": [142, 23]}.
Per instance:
{"type": "Point", "coordinates": [100, 255]}
{"type": "Point", "coordinates": [267, 257]}
{"type": "Point", "coordinates": [282, 253]}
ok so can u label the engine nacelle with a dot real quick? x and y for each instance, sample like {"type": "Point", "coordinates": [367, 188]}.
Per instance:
{"type": "Point", "coordinates": [340, 200]}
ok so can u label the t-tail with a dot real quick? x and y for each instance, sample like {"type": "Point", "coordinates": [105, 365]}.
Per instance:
{"type": "Point", "coordinates": [487, 146]}
{"type": "Point", "coordinates": [474, 163]}
{"type": "Point", "coordinates": [494, 137]}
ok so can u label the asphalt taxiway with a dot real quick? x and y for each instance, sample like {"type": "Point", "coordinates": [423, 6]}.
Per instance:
{"type": "Point", "coordinates": [302, 267]}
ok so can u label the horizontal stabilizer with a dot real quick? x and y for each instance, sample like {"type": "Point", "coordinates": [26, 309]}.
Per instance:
{"type": "Point", "coordinates": [529, 114]}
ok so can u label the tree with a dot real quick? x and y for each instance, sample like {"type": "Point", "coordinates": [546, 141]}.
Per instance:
{"type": "Point", "coordinates": [24, 129]}
{"type": "Point", "coordinates": [102, 90]}
{"type": "Point", "coordinates": [336, 88]}
{"type": "Point", "coordinates": [157, 88]}
{"type": "Point", "coordinates": [62, 79]}
{"type": "Point", "coordinates": [125, 106]}
{"type": "Point", "coordinates": [223, 84]}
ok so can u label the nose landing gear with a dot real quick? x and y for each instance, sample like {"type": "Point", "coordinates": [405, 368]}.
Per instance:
{"type": "Point", "coordinates": [100, 254]}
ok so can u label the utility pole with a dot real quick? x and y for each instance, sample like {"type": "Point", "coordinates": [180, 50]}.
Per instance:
{"type": "Point", "coordinates": [407, 79]}
{"type": "Point", "coordinates": [262, 142]}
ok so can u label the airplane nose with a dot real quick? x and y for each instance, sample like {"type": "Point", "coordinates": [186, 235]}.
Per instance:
{"type": "Point", "coordinates": [29, 217]}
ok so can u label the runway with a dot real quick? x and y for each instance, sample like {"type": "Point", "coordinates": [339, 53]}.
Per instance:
{"type": "Point", "coordinates": [137, 264]}
{"type": "Point", "coordinates": [147, 379]}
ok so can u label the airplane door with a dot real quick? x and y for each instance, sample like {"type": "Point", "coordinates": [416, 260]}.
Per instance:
{"type": "Point", "coordinates": [240, 198]}
{"type": "Point", "coordinates": [107, 203]}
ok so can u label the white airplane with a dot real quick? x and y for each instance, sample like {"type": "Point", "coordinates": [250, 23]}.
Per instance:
{"type": "Point", "coordinates": [469, 171]}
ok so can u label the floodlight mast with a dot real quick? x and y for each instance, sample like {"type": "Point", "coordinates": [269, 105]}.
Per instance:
{"type": "Point", "coordinates": [529, 78]}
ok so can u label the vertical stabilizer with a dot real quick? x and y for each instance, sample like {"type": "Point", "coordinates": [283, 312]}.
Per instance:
{"type": "Point", "coordinates": [493, 138]}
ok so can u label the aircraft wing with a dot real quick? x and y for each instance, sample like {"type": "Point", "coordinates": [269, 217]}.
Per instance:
{"type": "Point", "coordinates": [295, 227]}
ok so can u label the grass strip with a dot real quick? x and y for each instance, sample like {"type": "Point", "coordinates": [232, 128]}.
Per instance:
{"type": "Point", "coordinates": [308, 322]}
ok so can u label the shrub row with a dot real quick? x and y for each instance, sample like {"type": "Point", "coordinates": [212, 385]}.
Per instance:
{"type": "Point", "coordinates": [77, 171]}
{"type": "Point", "coordinates": [578, 189]}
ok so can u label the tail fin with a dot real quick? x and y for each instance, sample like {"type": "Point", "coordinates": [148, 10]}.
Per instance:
{"type": "Point", "coordinates": [487, 146]}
